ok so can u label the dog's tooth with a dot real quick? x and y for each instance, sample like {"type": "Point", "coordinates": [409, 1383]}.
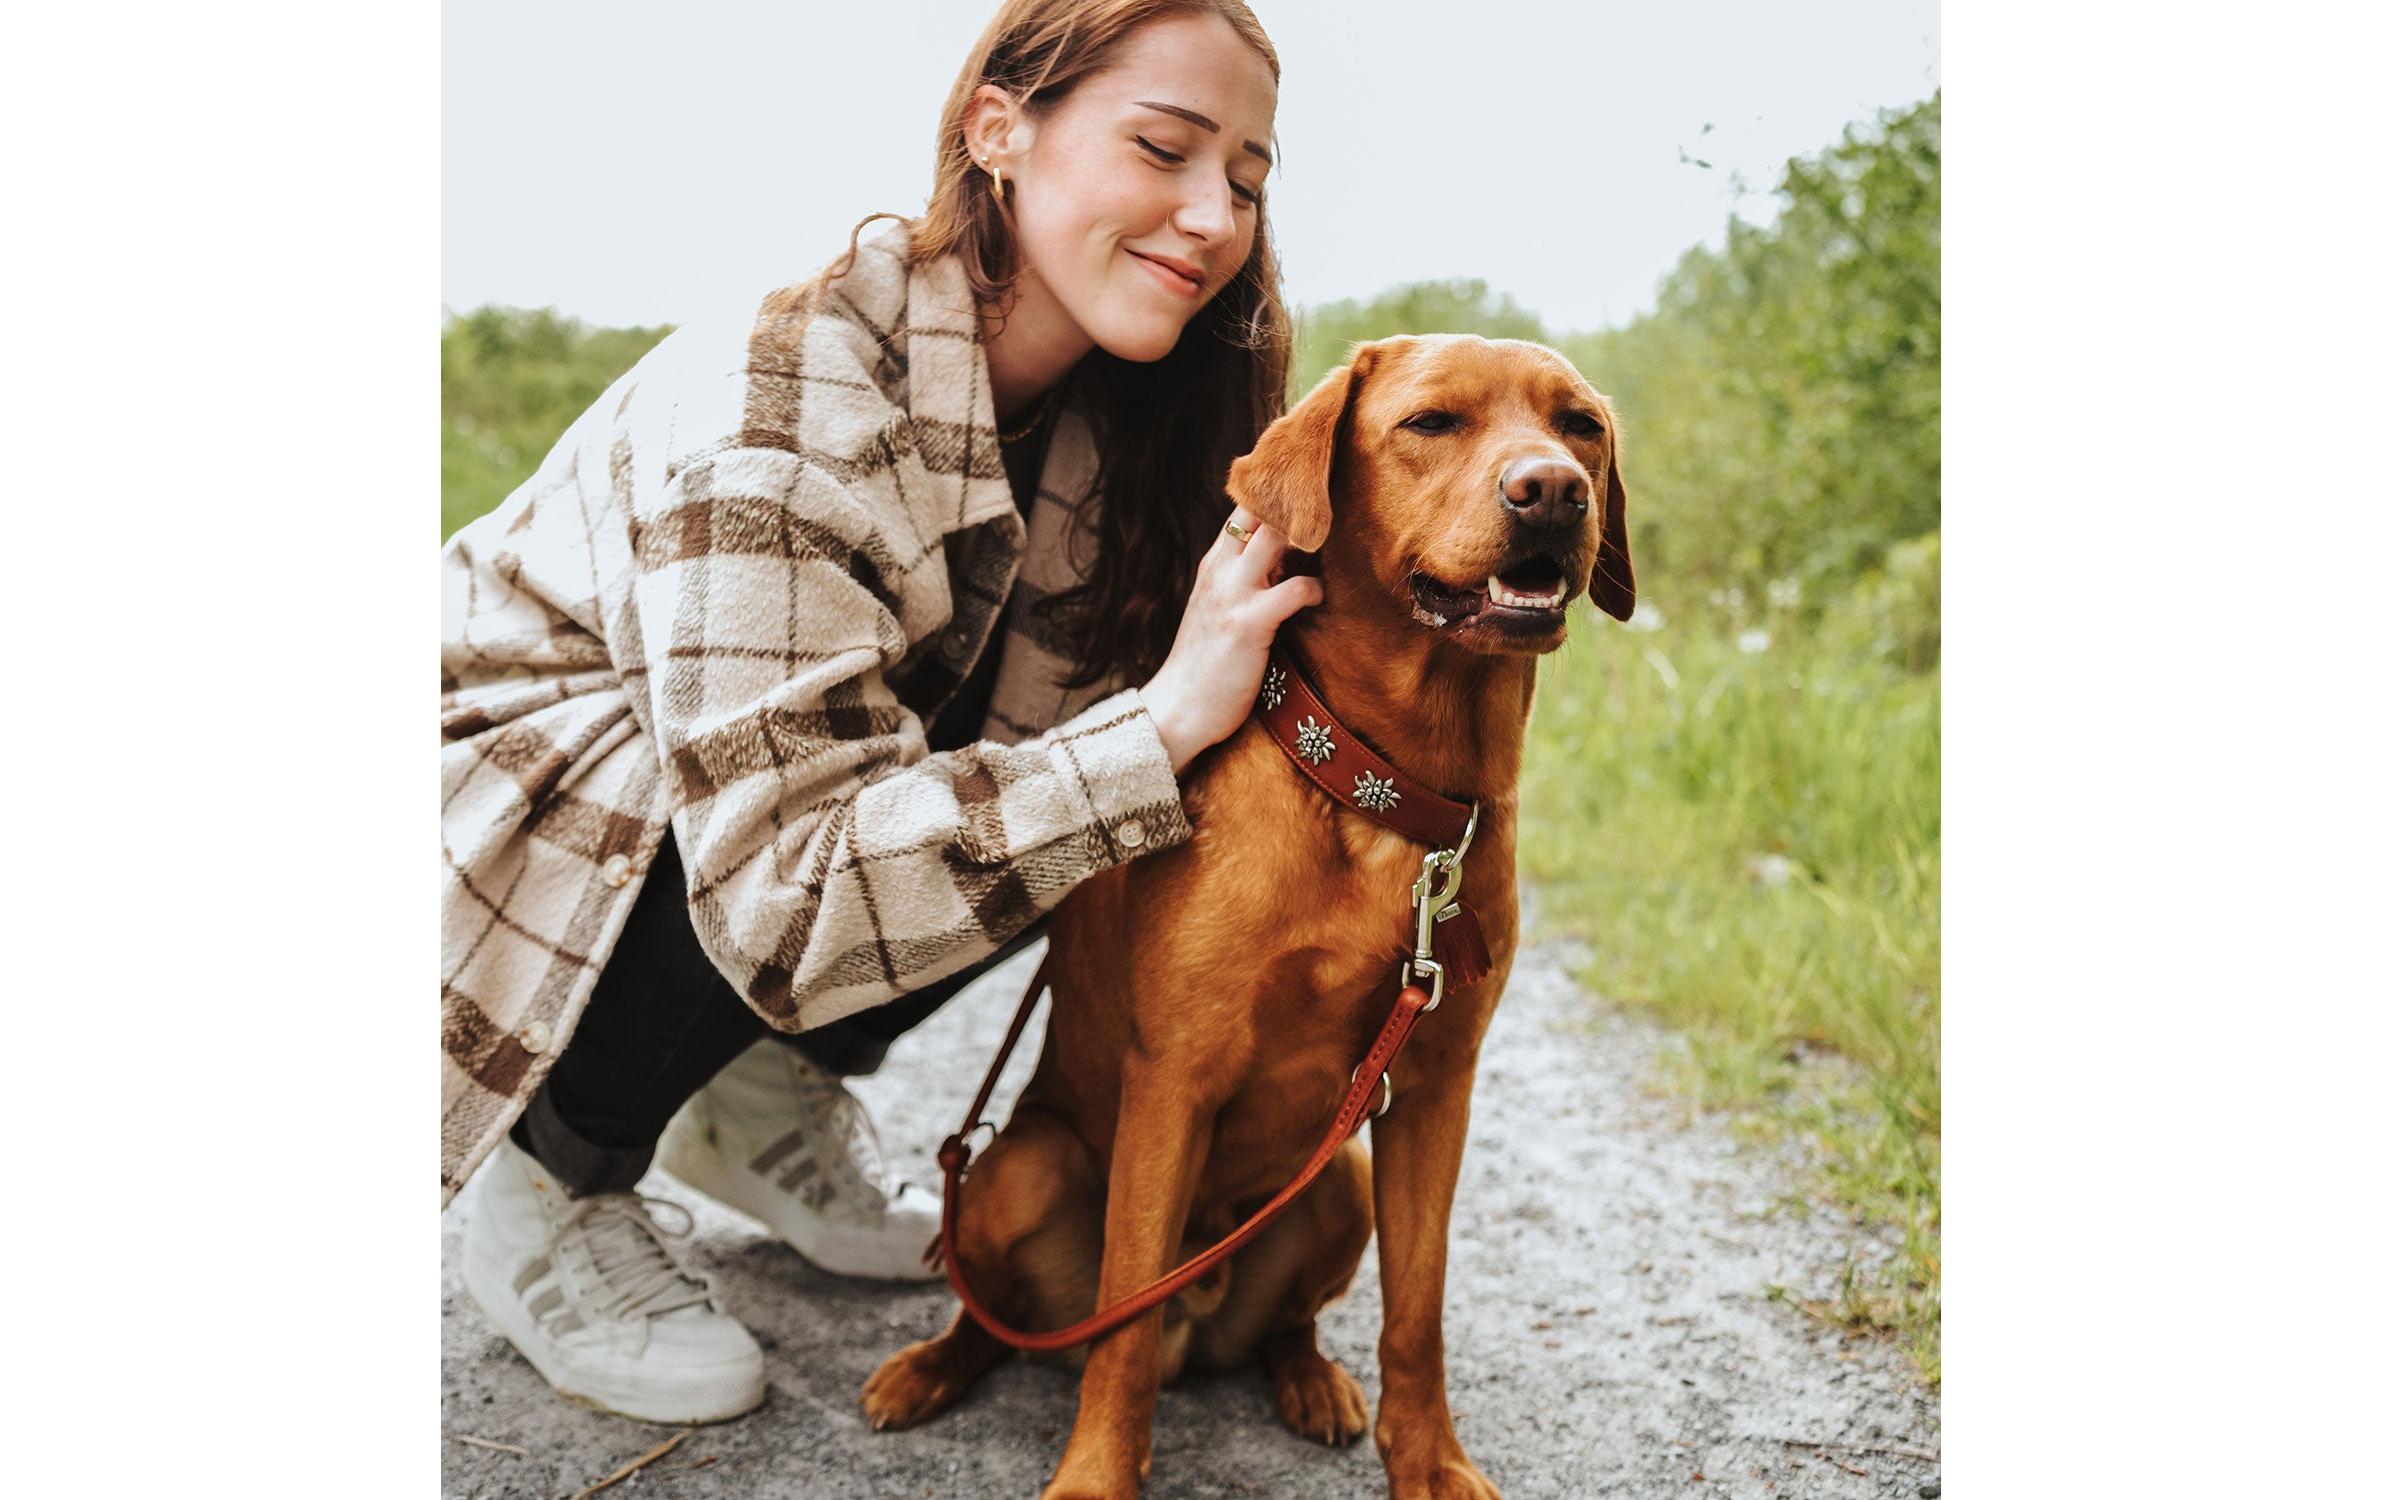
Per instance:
{"type": "Point", "coordinates": [1501, 593]}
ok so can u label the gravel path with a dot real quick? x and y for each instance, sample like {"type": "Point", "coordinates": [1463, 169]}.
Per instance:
{"type": "Point", "coordinates": [1610, 1328]}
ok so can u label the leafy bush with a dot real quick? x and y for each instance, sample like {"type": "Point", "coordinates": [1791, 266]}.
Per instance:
{"type": "Point", "coordinates": [1895, 614]}
{"type": "Point", "coordinates": [1326, 333]}
{"type": "Point", "coordinates": [1780, 405]}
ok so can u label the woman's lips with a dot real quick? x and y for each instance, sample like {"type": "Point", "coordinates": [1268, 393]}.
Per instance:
{"type": "Point", "coordinates": [1170, 278]}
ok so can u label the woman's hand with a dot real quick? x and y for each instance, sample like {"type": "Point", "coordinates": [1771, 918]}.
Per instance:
{"type": "Point", "coordinates": [1210, 677]}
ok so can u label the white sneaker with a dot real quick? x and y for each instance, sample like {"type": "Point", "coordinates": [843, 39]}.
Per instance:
{"type": "Point", "coordinates": [592, 1297]}
{"type": "Point", "coordinates": [781, 1140]}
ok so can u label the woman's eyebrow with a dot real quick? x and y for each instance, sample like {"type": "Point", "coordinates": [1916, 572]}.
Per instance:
{"type": "Point", "coordinates": [1180, 113]}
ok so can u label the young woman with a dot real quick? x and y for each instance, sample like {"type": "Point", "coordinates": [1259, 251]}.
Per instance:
{"type": "Point", "coordinates": [824, 655]}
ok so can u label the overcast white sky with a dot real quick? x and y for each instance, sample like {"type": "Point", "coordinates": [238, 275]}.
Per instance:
{"type": "Point", "coordinates": [626, 162]}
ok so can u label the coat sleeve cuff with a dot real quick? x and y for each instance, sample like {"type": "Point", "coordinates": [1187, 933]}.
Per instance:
{"type": "Point", "coordinates": [1133, 801]}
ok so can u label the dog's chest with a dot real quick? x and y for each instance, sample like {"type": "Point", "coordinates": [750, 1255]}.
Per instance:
{"type": "Point", "coordinates": [1271, 1124]}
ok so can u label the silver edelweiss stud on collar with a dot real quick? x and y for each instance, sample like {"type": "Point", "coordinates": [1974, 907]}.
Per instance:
{"type": "Point", "coordinates": [1315, 741]}
{"type": "Point", "coordinates": [1374, 793]}
{"type": "Point", "coordinates": [1271, 691]}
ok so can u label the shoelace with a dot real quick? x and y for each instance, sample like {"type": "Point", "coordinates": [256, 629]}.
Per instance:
{"type": "Point", "coordinates": [641, 1276]}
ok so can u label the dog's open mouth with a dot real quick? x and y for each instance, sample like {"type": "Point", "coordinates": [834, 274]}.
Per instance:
{"type": "Point", "coordinates": [1527, 594]}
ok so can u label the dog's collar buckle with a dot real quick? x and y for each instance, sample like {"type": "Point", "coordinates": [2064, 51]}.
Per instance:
{"type": "Point", "coordinates": [1435, 902]}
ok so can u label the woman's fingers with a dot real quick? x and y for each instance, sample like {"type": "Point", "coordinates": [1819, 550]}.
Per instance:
{"type": "Point", "coordinates": [1256, 565]}
{"type": "Point", "coordinates": [1264, 550]}
{"type": "Point", "coordinates": [1227, 546]}
{"type": "Point", "coordinates": [1294, 594]}
{"type": "Point", "coordinates": [1254, 561]}
{"type": "Point", "coordinates": [1204, 689]}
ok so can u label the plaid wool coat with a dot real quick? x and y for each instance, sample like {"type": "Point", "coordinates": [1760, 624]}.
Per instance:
{"type": "Point", "coordinates": [728, 603]}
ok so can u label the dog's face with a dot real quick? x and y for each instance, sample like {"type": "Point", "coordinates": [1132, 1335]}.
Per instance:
{"type": "Point", "coordinates": [1478, 481]}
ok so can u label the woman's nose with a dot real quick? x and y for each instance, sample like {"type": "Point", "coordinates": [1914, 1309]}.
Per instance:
{"type": "Point", "coordinates": [1207, 210]}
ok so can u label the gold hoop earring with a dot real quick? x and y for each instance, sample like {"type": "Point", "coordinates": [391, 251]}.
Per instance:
{"type": "Point", "coordinates": [996, 184]}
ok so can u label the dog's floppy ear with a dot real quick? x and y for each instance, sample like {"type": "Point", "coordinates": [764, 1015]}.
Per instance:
{"type": "Point", "coordinates": [1611, 584]}
{"type": "Point", "coordinates": [1286, 481]}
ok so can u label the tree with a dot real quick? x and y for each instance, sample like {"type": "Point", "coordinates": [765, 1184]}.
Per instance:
{"type": "Point", "coordinates": [1783, 396]}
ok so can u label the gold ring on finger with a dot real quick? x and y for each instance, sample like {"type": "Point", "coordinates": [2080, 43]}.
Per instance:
{"type": "Point", "coordinates": [1237, 531]}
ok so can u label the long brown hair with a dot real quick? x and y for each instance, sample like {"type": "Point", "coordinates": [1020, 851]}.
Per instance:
{"type": "Point", "coordinates": [1167, 431]}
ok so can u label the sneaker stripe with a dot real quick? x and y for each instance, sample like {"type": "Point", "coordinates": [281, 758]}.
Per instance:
{"type": "Point", "coordinates": [778, 1150]}
{"type": "Point", "coordinates": [569, 1322]}
{"type": "Point", "coordinates": [798, 1174]}
{"type": "Point", "coordinates": [546, 1303]}
{"type": "Point", "coordinates": [530, 1274]}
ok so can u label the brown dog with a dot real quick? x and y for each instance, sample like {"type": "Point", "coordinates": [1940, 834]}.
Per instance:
{"type": "Point", "coordinates": [1208, 1004]}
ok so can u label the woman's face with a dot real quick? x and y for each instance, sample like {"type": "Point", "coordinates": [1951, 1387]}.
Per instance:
{"type": "Point", "coordinates": [1136, 196]}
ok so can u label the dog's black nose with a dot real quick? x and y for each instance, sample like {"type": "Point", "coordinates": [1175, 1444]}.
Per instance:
{"type": "Point", "coordinates": [1546, 492]}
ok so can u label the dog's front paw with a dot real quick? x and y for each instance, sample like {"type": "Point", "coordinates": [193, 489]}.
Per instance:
{"type": "Point", "coordinates": [1113, 1488]}
{"type": "Point", "coordinates": [1449, 1479]}
{"type": "Point", "coordinates": [1429, 1465]}
{"type": "Point", "coordinates": [1318, 1399]}
{"type": "Point", "coordinates": [1091, 1470]}
{"type": "Point", "coordinates": [912, 1386]}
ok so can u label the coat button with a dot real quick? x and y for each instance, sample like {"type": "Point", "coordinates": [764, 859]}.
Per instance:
{"type": "Point", "coordinates": [1129, 833]}
{"type": "Point", "coordinates": [955, 646]}
{"type": "Point", "coordinates": [616, 871]}
{"type": "Point", "coordinates": [535, 1038]}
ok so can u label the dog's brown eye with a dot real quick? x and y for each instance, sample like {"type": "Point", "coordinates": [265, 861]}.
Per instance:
{"type": "Point", "coordinates": [1431, 421]}
{"type": "Point", "coordinates": [1580, 424]}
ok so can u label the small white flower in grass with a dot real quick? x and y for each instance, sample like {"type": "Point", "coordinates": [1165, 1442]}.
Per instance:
{"type": "Point", "coordinates": [1754, 641]}
{"type": "Point", "coordinates": [1645, 617]}
{"type": "Point", "coordinates": [1769, 869]}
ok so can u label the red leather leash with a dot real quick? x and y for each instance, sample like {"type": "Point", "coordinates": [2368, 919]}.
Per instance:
{"type": "Point", "coordinates": [1412, 1002]}
{"type": "Point", "coordinates": [1365, 782]}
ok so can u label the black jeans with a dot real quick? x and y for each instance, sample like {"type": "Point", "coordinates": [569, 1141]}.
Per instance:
{"type": "Point", "coordinates": [662, 1021]}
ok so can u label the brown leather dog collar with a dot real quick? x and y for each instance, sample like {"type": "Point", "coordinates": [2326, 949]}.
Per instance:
{"type": "Point", "coordinates": [1353, 773]}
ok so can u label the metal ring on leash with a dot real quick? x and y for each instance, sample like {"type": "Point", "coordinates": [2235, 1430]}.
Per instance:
{"type": "Point", "coordinates": [1381, 1102]}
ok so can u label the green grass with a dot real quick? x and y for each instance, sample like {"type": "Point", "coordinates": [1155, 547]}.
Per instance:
{"type": "Point", "coordinates": [510, 383]}
{"type": "Point", "coordinates": [1748, 841]}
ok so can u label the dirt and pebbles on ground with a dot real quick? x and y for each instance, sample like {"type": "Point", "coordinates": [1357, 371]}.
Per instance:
{"type": "Point", "coordinates": [1612, 1324]}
